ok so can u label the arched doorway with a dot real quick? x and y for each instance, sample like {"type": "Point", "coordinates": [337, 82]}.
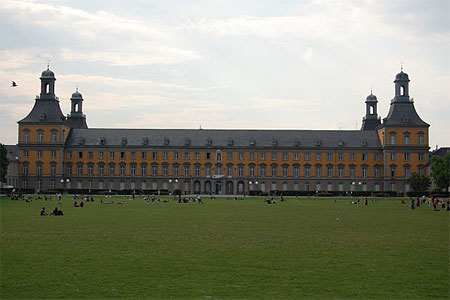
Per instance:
{"type": "Point", "coordinates": [207, 187]}
{"type": "Point", "coordinates": [229, 189]}
{"type": "Point", "coordinates": [241, 187]}
{"type": "Point", "coordinates": [197, 187]}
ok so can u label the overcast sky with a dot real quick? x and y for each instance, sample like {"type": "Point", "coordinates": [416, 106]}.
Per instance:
{"type": "Point", "coordinates": [226, 64]}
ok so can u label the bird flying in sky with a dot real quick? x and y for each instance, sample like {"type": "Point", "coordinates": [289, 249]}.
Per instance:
{"type": "Point", "coordinates": [14, 84]}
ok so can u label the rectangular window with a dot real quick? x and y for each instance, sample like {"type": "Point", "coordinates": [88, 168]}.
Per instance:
{"type": "Point", "coordinates": [377, 156]}
{"type": "Point", "coordinates": [307, 171]}
{"type": "Point", "coordinates": [154, 170]}
{"type": "Point", "coordinates": [252, 171]}
{"type": "Point", "coordinates": [40, 136]}
{"type": "Point", "coordinates": [186, 155]}
{"type": "Point", "coordinates": [25, 169]}
{"type": "Point", "coordinates": [69, 169]}
{"type": "Point", "coordinates": [285, 156]}
{"type": "Point", "coordinates": [26, 136]}
{"type": "Point", "coordinates": [186, 170]}
{"type": "Point", "coordinates": [154, 155]}
{"type": "Point", "coordinates": [273, 171]}
{"type": "Point", "coordinates": [122, 155]}
{"type": "Point", "coordinates": [90, 155]}
{"type": "Point", "coordinates": [111, 170]}
{"type": "Point", "coordinates": [90, 170]}
{"type": "Point", "coordinates": [263, 171]}
{"type": "Point", "coordinates": [420, 156]}
{"type": "Point", "coordinates": [407, 172]}
{"type": "Point", "coordinates": [329, 171]}
{"type": "Point", "coordinates": [197, 170]}
{"type": "Point", "coordinates": [208, 155]}
{"type": "Point", "coordinates": [364, 156]}
{"type": "Point", "coordinates": [241, 155]}
{"type": "Point", "coordinates": [144, 154]}
{"type": "Point", "coordinates": [219, 170]}
{"type": "Point", "coordinates": [341, 156]}
{"type": "Point", "coordinates": [53, 153]}
{"type": "Point", "coordinates": [352, 156]}
{"type": "Point", "coordinates": [80, 169]}
{"type": "Point", "coordinates": [101, 155]}
{"type": "Point", "coordinates": [364, 172]}
{"type": "Point", "coordinates": [230, 171]}
{"type": "Point", "coordinates": [274, 155]}
{"type": "Point", "coordinates": [39, 169]}
{"type": "Point", "coordinates": [377, 172]}
{"type": "Point", "coordinates": [296, 156]}
{"type": "Point", "coordinates": [406, 156]}
{"type": "Point", "coordinates": [421, 140]}
{"type": "Point", "coordinates": [352, 172]}
{"type": "Point", "coordinates": [80, 154]}
{"type": "Point", "coordinates": [393, 156]}
{"type": "Point", "coordinates": [241, 171]}
{"type": "Point", "coordinates": [122, 170]}
{"type": "Point", "coordinates": [318, 171]}
{"type": "Point", "coordinates": [285, 171]}
{"type": "Point", "coordinates": [175, 155]}
{"type": "Point", "coordinates": [197, 155]}
{"type": "Point", "coordinates": [329, 156]}
{"type": "Point", "coordinates": [208, 170]}
{"type": "Point", "coordinates": [341, 172]}
{"type": "Point", "coordinates": [39, 153]}
{"type": "Point", "coordinates": [25, 153]}
{"type": "Point", "coordinates": [165, 170]}
{"type": "Point", "coordinates": [133, 170]}
{"type": "Point", "coordinates": [111, 155]}
{"type": "Point", "coordinates": [407, 140]}
{"type": "Point", "coordinates": [229, 155]}
{"type": "Point", "coordinates": [165, 155]}
{"type": "Point", "coordinates": [252, 155]}
{"type": "Point", "coordinates": [296, 171]}
{"type": "Point", "coordinates": [54, 137]}
{"type": "Point", "coordinates": [101, 169]}
{"type": "Point", "coordinates": [307, 156]}
{"type": "Point", "coordinates": [318, 156]}
{"type": "Point", "coordinates": [263, 155]}
{"type": "Point", "coordinates": [392, 139]}
{"type": "Point", "coordinates": [144, 170]}
{"type": "Point", "coordinates": [133, 155]}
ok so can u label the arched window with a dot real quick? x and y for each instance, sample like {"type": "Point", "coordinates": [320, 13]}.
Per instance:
{"type": "Point", "coordinates": [402, 90]}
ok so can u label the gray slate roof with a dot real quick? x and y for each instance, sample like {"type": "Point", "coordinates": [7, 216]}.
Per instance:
{"type": "Point", "coordinates": [403, 114]}
{"type": "Point", "coordinates": [223, 138]}
{"type": "Point", "coordinates": [46, 111]}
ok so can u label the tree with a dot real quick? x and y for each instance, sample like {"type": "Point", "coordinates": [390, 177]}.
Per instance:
{"type": "Point", "coordinates": [4, 162]}
{"type": "Point", "coordinates": [419, 183]}
{"type": "Point", "coordinates": [440, 171]}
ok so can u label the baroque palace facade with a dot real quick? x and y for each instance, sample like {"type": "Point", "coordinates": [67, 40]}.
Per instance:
{"type": "Point", "coordinates": [56, 152]}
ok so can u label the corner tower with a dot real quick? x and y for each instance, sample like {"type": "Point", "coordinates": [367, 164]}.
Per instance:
{"type": "Point", "coordinates": [371, 120]}
{"type": "Point", "coordinates": [42, 134]}
{"type": "Point", "coordinates": [77, 119]}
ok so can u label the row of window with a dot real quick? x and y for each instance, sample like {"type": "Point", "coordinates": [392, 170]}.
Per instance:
{"type": "Point", "coordinates": [251, 171]}
{"type": "Point", "coordinates": [218, 155]}
{"type": "Point", "coordinates": [407, 138]}
{"type": "Point", "coordinates": [40, 136]}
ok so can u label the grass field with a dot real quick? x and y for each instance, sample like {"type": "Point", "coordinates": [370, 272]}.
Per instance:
{"type": "Point", "coordinates": [303, 248]}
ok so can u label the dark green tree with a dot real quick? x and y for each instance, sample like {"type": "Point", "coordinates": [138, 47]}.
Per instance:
{"type": "Point", "coordinates": [440, 171]}
{"type": "Point", "coordinates": [4, 162]}
{"type": "Point", "coordinates": [419, 183]}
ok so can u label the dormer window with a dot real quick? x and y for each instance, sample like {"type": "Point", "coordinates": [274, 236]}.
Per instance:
{"type": "Point", "coordinates": [187, 142]}
{"type": "Point", "coordinates": [296, 143]}
{"type": "Point", "coordinates": [124, 141]}
{"type": "Point", "coordinates": [102, 141]}
{"type": "Point", "coordinates": [252, 142]}
{"type": "Point", "coordinates": [166, 142]}
{"type": "Point", "coordinates": [42, 117]}
{"type": "Point", "coordinates": [209, 142]}
{"type": "Point", "coordinates": [341, 143]}
{"type": "Point", "coordinates": [230, 142]}
{"type": "Point", "coordinates": [364, 143]}
{"type": "Point", "coordinates": [145, 141]}
{"type": "Point", "coordinates": [81, 141]}
{"type": "Point", "coordinates": [274, 143]}
{"type": "Point", "coordinates": [318, 143]}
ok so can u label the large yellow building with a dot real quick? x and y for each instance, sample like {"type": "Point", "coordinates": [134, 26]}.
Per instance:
{"type": "Point", "coordinates": [58, 152]}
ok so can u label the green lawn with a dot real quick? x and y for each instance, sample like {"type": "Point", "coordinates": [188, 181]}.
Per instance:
{"type": "Point", "coordinates": [303, 248]}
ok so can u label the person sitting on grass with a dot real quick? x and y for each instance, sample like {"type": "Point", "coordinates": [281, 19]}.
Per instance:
{"type": "Point", "coordinates": [57, 212]}
{"type": "Point", "coordinates": [75, 204]}
{"type": "Point", "coordinates": [81, 204]}
{"type": "Point", "coordinates": [43, 213]}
